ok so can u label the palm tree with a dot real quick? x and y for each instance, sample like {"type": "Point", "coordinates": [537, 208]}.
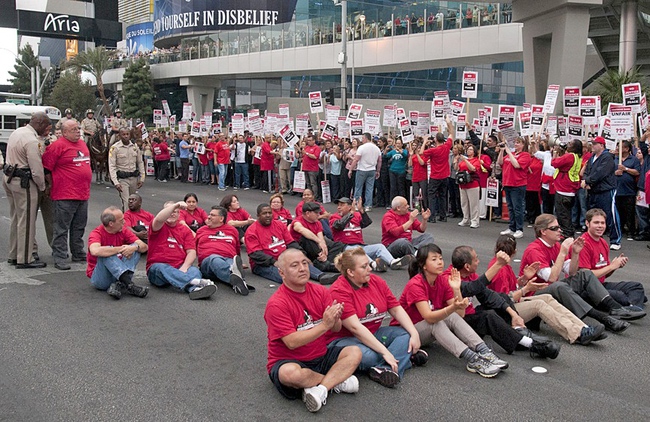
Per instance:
{"type": "Point", "coordinates": [609, 85]}
{"type": "Point", "coordinates": [95, 61]}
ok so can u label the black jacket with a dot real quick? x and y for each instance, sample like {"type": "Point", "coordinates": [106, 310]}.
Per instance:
{"type": "Point", "coordinates": [599, 175]}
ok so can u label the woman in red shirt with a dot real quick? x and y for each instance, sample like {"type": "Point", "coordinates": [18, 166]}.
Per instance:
{"type": "Point", "coordinates": [533, 188]}
{"type": "Point", "coordinates": [419, 178]}
{"type": "Point", "coordinates": [194, 216]}
{"type": "Point", "coordinates": [238, 217]}
{"type": "Point", "coordinates": [469, 192]}
{"type": "Point", "coordinates": [568, 165]}
{"type": "Point", "coordinates": [279, 211]}
{"type": "Point", "coordinates": [514, 165]}
{"type": "Point", "coordinates": [161, 157]}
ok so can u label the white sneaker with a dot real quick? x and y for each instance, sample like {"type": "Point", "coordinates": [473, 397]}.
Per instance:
{"type": "Point", "coordinates": [314, 397]}
{"type": "Point", "coordinates": [350, 386]}
{"type": "Point", "coordinates": [615, 247]}
{"type": "Point", "coordinates": [518, 234]}
{"type": "Point", "coordinates": [473, 226]}
{"type": "Point", "coordinates": [506, 232]}
{"type": "Point", "coordinates": [463, 223]}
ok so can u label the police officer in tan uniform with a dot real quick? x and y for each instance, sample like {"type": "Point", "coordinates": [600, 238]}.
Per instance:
{"type": "Point", "coordinates": [117, 123]}
{"type": "Point", "coordinates": [125, 166]}
{"type": "Point", "coordinates": [89, 125]}
{"type": "Point", "coordinates": [68, 116]}
{"type": "Point", "coordinates": [23, 180]}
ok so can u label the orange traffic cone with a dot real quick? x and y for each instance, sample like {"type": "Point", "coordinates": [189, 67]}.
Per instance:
{"type": "Point", "coordinates": [504, 207]}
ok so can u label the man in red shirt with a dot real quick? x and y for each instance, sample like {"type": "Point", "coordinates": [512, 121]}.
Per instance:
{"type": "Point", "coordinates": [298, 316]}
{"type": "Point", "coordinates": [595, 257]}
{"type": "Point", "coordinates": [266, 239]}
{"type": "Point", "coordinates": [136, 219]}
{"type": "Point", "coordinates": [347, 225]}
{"type": "Point", "coordinates": [114, 252]}
{"type": "Point", "coordinates": [172, 251]}
{"type": "Point", "coordinates": [397, 227]}
{"type": "Point", "coordinates": [68, 163]}
{"type": "Point", "coordinates": [438, 156]}
{"type": "Point", "coordinates": [217, 247]}
{"type": "Point", "coordinates": [310, 155]}
{"type": "Point", "coordinates": [223, 161]}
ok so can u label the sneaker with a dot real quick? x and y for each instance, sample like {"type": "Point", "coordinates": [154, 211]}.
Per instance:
{"type": "Point", "coordinates": [518, 234]}
{"type": "Point", "coordinates": [202, 291]}
{"type": "Point", "coordinates": [548, 349]}
{"type": "Point", "coordinates": [473, 226]}
{"type": "Point", "coordinates": [163, 181]}
{"type": "Point", "coordinates": [314, 397]}
{"type": "Point", "coordinates": [236, 188]}
{"type": "Point", "coordinates": [402, 262]}
{"type": "Point", "coordinates": [508, 231]}
{"type": "Point", "coordinates": [482, 367]}
{"type": "Point", "coordinates": [137, 291]}
{"type": "Point", "coordinates": [367, 209]}
{"type": "Point", "coordinates": [350, 386]}
{"type": "Point", "coordinates": [626, 313]}
{"type": "Point", "coordinates": [327, 279]}
{"type": "Point", "coordinates": [246, 188]}
{"type": "Point", "coordinates": [615, 325]}
{"type": "Point", "coordinates": [494, 359]}
{"type": "Point", "coordinates": [589, 334]}
{"type": "Point", "coordinates": [419, 358]}
{"type": "Point", "coordinates": [463, 223]}
{"type": "Point", "coordinates": [115, 290]}
{"type": "Point", "coordinates": [238, 285]}
{"type": "Point", "coordinates": [380, 266]}
{"type": "Point", "coordinates": [384, 376]}
{"type": "Point", "coordinates": [615, 246]}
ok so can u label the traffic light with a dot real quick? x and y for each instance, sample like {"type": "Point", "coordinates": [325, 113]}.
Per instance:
{"type": "Point", "coordinates": [330, 97]}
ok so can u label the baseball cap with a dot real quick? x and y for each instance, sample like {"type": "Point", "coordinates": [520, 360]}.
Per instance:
{"type": "Point", "coordinates": [598, 140]}
{"type": "Point", "coordinates": [310, 206]}
{"type": "Point", "coordinates": [344, 200]}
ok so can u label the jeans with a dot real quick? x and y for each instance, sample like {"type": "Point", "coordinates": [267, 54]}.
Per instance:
{"type": "Point", "coordinates": [223, 171]}
{"type": "Point", "coordinates": [217, 266]}
{"type": "Point", "coordinates": [213, 169]}
{"type": "Point", "coordinates": [375, 251]}
{"type": "Point", "coordinates": [241, 175]}
{"type": "Point", "coordinates": [272, 273]}
{"type": "Point", "coordinates": [335, 186]}
{"type": "Point", "coordinates": [396, 340]}
{"type": "Point", "coordinates": [579, 208]}
{"type": "Point", "coordinates": [195, 170]}
{"type": "Point", "coordinates": [205, 173]}
{"type": "Point", "coordinates": [364, 179]}
{"type": "Point", "coordinates": [70, 217]}
{"type": "Point", "coordinates": [109, 269]}
{"type": "Point", "coordinates": [161, 275]}
{"type": "Point", "coordinates": [516, 200]}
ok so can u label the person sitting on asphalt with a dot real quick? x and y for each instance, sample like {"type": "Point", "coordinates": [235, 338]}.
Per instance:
{"type": "Point", "coordinates": [397, 229]}
{"type": "Point", "coordinates": [266, 239]}
{"type": "Point", "coordinates": [114, 252]}
{"type": "Point", "coordinates": [217, 248]}
{"type": "Point", "coordinates": [308, 232]}
{"type": "Point", "coordinates": [323, 216]}
{"type": "Point", "coordinates": [279, 211]}
{"type": "Point", "coordinates": [136, 219]}
{"type": "Point", "coordinates": [387, 351]}
{"type": "Point", "coordinates": [193, 216]}
{"type": "Point", "coordinates": [172, 251]}
{"type": "Point", "coordinates": [347, 225]}
{"type": "Point", "coordinates": [544, 306]}
{"type": "Point", "coordinates": [238, 217]}
{"type": "Point", "coordinates": [299, 315]}
{"type": "Point", "coordinates": [495, 316]}
{"type": "Point", "coordinates": [567, 284]}
{"type": "Point", "coordinates": [433, 301]}
{"type": "Point", "coordinates": [595, 257]}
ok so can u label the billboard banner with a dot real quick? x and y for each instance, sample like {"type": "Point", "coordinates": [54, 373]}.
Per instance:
{"type": "Point", "coordinates": [173, 18]}
{"type": "Point", "coordinates": [139, 38]}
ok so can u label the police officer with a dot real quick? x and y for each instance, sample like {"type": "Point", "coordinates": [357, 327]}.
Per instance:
{"type": "Point", "coordinates": [125, 166]}
{"type": "Point", "coordinates": [117, 122]}
{"type": "Point", "coordinates": [23, 180]}
{"type": "Point", "coordinates": [68, 116]}
{"type": "Point", "coordinates": [89, 126]}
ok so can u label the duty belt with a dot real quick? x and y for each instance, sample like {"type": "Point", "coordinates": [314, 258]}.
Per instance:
{"type": "Point", "coordinates": [125, 174]}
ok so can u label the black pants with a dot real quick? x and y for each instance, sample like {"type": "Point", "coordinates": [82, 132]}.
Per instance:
{"type": "Point", "coordinates": [185, 169]}
{"type": "Point", "coordinates": [438, 197]}
{"type": "Point", "coordinates": [533, 207]}
{"type": "Point", "coordinates": [488, 322]}
{"type": "Point", "coordinates": [563, 208]}
{"type": "Point", "coordinates": [382, 196]}
{"type": "Point", "coordinates": [422, 187]}
{"type": "Point", "coordinates": [454, 197]}
{"type": "Point", "coordinates": [548, 202]}
{"type": "Point", "coordinates": [397, 184]}
{"type": "Point", "coordinates": [163, 169]}
{"type": "Point", "coordinates": [626, 210]}
{"type": "Point", "coordinates": [312, 250]}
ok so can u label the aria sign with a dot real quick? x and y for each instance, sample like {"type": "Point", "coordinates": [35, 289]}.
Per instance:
{"type": "Point", "coordinates": [175, 18]}
{"type": "Point", "coordinates": [60, 23]}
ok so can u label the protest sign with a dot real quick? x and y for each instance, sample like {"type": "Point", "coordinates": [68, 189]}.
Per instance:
{"type": "Point", "coordinates": [492, 193]}
{"type": "Point", "coordinates": [632, 96]}
{"type": "Point", "coordinates": [302, 124]}
{"type": "Point", "coordinates": [621, 121]}
{"type": "Point", "coordinates": [143, 129]}
{"type": "Point", "coordinates": [283, 109]}
{"type": "Point", "coordinates": [551, 125]}
{"type": "Point", "coordinates": [470, 84]}
{"type": "Point", "coordinates": [506, 114]}
{"type": "Point", "coordinates": [550, 100]}
{"type": "Point", "coordinates": [508, 131]}
{"type": "Point", "coordinates": [328, 132]}
{"type": "Point", "coordinates": [605, 130]}
{"type": "Point", "coordinates": [316, 102]}
{"type": "Point", "coordinates": [457, 108]}
{"type": "Point", "coordinates": [406, 131]}
{"type": "Point", "coordinates": [575, 127]}
{"type": "Point", "coordinates": [589, 110]}
{"type": "Point", "coordinates": [187, 111]}
{"type": "Point", "coordinates": [288, 135]}
{"type": "Point", "coordinates": [354, 112]}
{"type": "Point", "coordinates": [572, 100]}
{"type": "Point", "coordinates": [536, 118]}
{"type": "Point", "coordinates": [332, 114]}
{"type": "Point", "coordinates": [371, 122]}
{"type": "Point", "coordinates": [524, 122]}
{"type": "Point", "coordinates": [238, 123]}
{"type": "Point", "coordinates": [356, 128]}
{"type": "Point", "coordinates": [461, 127]}
{"type": "Point", "coordinates": [157, 117]}
{"type": "Point", "coordinates": [424, 120]}
{"type": "Point", "coordinates": [196, 128]}
{"type": "Point", "coordinates": [390, 116]}
{"type": "Point", "coordinates": [444, 96]}
{"type": "Point", "coordinates": [165, 106]}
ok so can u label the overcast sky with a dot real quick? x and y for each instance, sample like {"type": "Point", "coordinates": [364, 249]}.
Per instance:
{"type": "Point", "coordinates": [7, 59]}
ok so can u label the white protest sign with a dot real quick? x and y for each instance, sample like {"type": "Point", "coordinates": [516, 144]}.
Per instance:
{"type": "Point", "coordinates": [438, 110]}
{"type": "Point", "coordinates": [461, 126]}
{"type": "Point", "coordinates": [506, 114]}
{"type": "Point", "coordinates": [632, 96]}
{"type": "Point", "coordinates": [371, 122]}
{"type": "Point", "coordinates": [644, 113]}
{"type": "Point", "coordinates": [575, 127]}
{"type": "Point", "coordinates": [187, 111]}
{"type": "Point", "coordinates": [288, 135]}
{"type": "Point", "coordinates": [620, 120]}
{"type": "Point", "coordinates": [524, 122]}
{"type": "Point", "coordinates": [165, 106]}
{"type": "Point", "coordinates": [508, 131]}
{"type": "Point", "coordinates": [316, 102]}
{"type": "Point", "coordinates": [424, 119]}
{"type": "Point", "coordinates": [489, 115]}
{"type": "Point", "coordinates": [550, 100]}
{"type": "Point", "coordinates": [199, 148]}
{"type": "Point", "coordinates": [536, 118]}
{"type": "Point", "coordinates": [182, 126]}
{"type": "Point", "coordinates": [572, 100]}
{"type": "Point", "coordinates": [401, 114]}
{"type": "Point", "coordinates": [256, 125]}
{"type": "Point", "coordinates": [444, 96]}
{"type": "Point", "coordinates": [457, 108]}
{"type": "Point", "coordinates": [216, 127]}
{"type": "Point", "coordinates": [143, 129]}
{"type": "Point", "coordinates": [413, 118]}
{"type": "Point", "coordinates": [492, 193]}
{"type": "Point", "coordinates": [354, 112]}
{"type": "Point", "coordinates": [470, 84]}
{"type": "Point", "coordinates": [325, 191]}
{"type": "Point", "coordinates": [561, 127]}
{"type": "Point", "coordinates": [343, 128]}
{"type": "Point", "coordinates": [203, 127]}
{"type": "Point", "coordinates": [390, 116]}
{"type": "Point", "coordinates": [478, 127]}
{"type": "Point", "coordinates": [238, 123]}
{"type": "Point", "coordinates": [605, 130]}
{"type": "Point", "coordinates": [196, 128]}
{"type": "Point", "coordinates": [302, 124]}
{"type": "Point", "coordinates": [356, 128]}
{"type": "Point", "coordinates": [283, 109]}
{"type": "Point", "coordinates": [551, 125]}
{"type": "Point", "coordinates": [328, 132]}
{"type": "Point", "coordinates": [332, 114]}
{"type": "Point", "coordinates": [589, 110]}
{"type": "Point", "coordinates": [157, 117]}
{"type": "Point", "coordinates": [406, 131]}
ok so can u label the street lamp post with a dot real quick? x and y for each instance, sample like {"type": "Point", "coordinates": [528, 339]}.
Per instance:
{"type": "Point", "coordinates": [343, 54]}
{"type": "Point", "coordinates": [362, 19]}
{"type": "Point", "coordinates": [32, 73]}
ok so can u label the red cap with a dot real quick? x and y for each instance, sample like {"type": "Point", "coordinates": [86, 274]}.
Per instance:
{"type": "Point", "coordinates": [598, 140]}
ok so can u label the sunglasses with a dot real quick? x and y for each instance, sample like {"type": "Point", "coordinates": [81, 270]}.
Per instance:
{"type": "Point", "coordinates": [554, 228]}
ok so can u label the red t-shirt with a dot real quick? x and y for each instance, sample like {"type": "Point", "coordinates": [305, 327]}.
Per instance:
{"type": "Point", "coordinates": [534, 182]}
{"type": "Point", "coordinates": [308, 163]}
{"type": "Point", "coordinates": [369, 303]}
{"type": "Point", "coordinates": [267, 160]}
{"type": "Point", "coordinates": [418, 289]}
{"type": "Point", "coordinates": [462, 166]}
{"type": "Point", "coordinates": [272, 239]}
{"type": "Point", "coordinates": [563, 184]}
{"type": "Point", "coordinates": [419, 170]}
{"type": "Point", "coordinates": [104, 238]}
{"type": "Point", "coordinates": [439, 158]}
{"type": "Point", "coordinates": [505, 280]}
{"type": "Point", "coordinates": [140, 218]}
{"type": "Point", "coordinates": [312, 227]}
{"type": "Point", "coordinates": [69, 163]}
{"type": "Point", "coordinates": [222, 241]}
{"type": "Point", "coordinates": [283, 215]}
{"type": "Point", "coordinates": [299, 208]}
{"type": "Point", "coordinates": [170, 245]}
{"type": "Point", "coordinates": [538, 251]}
{"type": "Point", "coordinates": [514, 177]}
{"type": "Point", "coordinates": [391, 228]}
{"type": "Point", "coordinates": [469, 279]}
{"type": "Point", "coordinates": [211, 147]}
{"type": "Point", "coordinates": [484, 171]}
{"type": "Point", "coordinates": [238, 215]}
{"type": "Point", "coordinates": [161, 151]}
{"type": "Point", "coordinates": [351, 234]}
{"type": "Point", "coordinates": [594, 255]}
{"type": "Point", "coordinates": [199, 215]}
{"type": "Point", "coordinates": [203, 159]}
{"type": "Point", "coordinates": [223, 152]}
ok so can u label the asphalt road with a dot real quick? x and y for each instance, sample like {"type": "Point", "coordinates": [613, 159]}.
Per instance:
{"type": "Point", "coordinates": [71, 353]}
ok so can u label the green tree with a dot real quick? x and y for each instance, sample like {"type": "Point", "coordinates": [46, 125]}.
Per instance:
{"type": "Point", "coordinates": [21, 81]}
{"type": "Point", "coordinates": [95, 61]}
{"type": "Point", "coordinates": [71, 92]}
{"type": "Point", "coordinates": [137, 91]}
{"type": "Point", "coordinates": [608, 86]}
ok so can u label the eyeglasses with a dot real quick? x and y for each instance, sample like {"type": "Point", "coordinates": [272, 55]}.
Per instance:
{"type": "Point", "coordinates": [554, 228]}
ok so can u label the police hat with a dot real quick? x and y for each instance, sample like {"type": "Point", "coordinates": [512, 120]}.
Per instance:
{"type": "Point", "coordinates": [67, 111]}
{"type": "Point", "coordinates": [89, 111]}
